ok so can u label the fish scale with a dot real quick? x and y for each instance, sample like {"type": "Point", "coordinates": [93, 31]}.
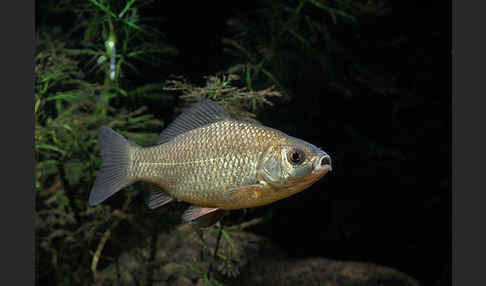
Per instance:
{"type": "Point", "coordinates": [204, 163]}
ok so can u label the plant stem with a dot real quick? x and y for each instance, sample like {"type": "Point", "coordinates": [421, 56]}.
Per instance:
{"type": "Point", "coordinates": [153, 253]}
{"type": "Point", "coordinates": [70, 194]}
{"type": "Point", "coordinates": [220, 231]}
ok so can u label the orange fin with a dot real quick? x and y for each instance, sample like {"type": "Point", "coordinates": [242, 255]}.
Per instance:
{"type": "Point", "coordinates": [193, 212]}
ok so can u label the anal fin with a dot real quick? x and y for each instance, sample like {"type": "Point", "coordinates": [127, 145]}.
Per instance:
{"type": "Point", "coordinates": [194, 212]}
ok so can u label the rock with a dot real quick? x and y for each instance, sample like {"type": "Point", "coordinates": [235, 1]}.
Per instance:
{"type": "Point", "coordinates": [183, 257]}
{"type": "Point", "coordinates": [320, 271]}
{"type": "Point", "coordinates": [181, 281]}
{"type": "Point", "coordinates": [186, 252]}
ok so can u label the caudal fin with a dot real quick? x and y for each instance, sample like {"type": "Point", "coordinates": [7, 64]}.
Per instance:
{"type": "Point", "coordinates": [113, 175]}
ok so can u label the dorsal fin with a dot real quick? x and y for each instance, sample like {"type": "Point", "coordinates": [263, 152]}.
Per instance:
{"type": "Point", "coordinates": [199, 114]}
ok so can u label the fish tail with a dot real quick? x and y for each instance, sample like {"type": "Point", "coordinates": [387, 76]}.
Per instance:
{"type": "Point", "coordinates": [114, 174]}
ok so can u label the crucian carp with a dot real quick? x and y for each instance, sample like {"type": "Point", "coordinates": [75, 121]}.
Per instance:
{"type": "Point", "coordinates": [212, 161]}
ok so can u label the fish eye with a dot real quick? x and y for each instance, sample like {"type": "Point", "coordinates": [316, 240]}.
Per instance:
{"type": "Point", "coordinates": [295, 156]}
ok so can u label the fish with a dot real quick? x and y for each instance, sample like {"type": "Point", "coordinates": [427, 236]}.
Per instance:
{"type": "Point", "coordinates": [211, 161]}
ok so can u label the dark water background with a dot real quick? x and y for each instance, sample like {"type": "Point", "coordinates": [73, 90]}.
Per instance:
{"type": "Point", "coordinates": [391, 206]}
{"type": "Point", "coordinates": [388, 199]}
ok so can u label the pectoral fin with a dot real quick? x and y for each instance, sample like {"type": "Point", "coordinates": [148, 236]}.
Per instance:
{"type": "Point", "coordinates": [194, 212]}
{"type": "Point", "coordinates": [246, 196]}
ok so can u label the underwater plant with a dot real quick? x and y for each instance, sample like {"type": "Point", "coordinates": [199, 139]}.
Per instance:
{"type": "Point", "coordinates": [67, 115]}
{"type": "Point", "coordinates": [287, 43]}
{"type": "Point", "coordinates": [73, 241]}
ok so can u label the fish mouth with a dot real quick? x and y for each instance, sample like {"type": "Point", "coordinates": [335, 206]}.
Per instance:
{"type": "Point", "coordinates": [322, 164]}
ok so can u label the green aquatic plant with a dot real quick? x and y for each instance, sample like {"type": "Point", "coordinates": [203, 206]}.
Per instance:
{"type": "Point", "coordinates": [227, 89]}
{"type": "Point", "coordinates": [283, 43]}
{"type": "Point", "coordinates": [280, 29]}
{"type": "Point", "coordinates": [115, 43]}
{"type": "Point", "coordinates": [66, 124]}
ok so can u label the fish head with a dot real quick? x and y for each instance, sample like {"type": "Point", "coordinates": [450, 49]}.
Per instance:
{"type": "Point", "coordinates": [293, 165]}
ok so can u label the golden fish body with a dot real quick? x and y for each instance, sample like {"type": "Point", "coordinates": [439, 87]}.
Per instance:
{"type": "Point", "coordinates": [212, 161]}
